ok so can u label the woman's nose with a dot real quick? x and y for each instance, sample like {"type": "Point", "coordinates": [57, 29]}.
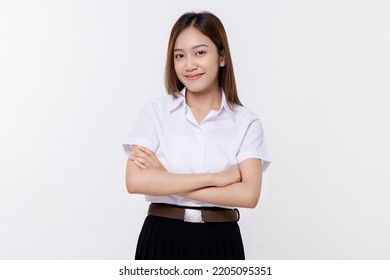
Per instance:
{"type": "Point", "coordinates": [191, 64]}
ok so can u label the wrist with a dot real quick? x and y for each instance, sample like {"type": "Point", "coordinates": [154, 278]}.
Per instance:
{"type": "Point", "coordinates": [213, 179]}
{"type": "Point", "coordinates": [209, 179]}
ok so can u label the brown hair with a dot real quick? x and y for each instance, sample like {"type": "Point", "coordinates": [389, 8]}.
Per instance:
{"type": "Point", "coordinates": [209, 25]}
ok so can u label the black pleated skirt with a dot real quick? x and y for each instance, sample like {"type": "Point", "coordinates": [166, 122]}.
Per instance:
{"type": "Point", "coordinates": [171, 239]}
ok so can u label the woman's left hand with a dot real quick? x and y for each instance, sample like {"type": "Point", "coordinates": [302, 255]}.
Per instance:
{"type": "Point", "coordinates": [144, 158]}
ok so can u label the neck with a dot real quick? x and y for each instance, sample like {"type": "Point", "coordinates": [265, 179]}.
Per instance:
{"type": "Point", "coordinates": [204, 100]}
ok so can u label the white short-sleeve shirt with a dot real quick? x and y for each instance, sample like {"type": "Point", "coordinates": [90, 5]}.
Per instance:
{"type": "Point", "coordinates": [225, 137]}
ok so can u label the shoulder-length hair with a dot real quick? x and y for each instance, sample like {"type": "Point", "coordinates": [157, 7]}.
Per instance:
{"type": "Point", "coordinates": [209, 25]}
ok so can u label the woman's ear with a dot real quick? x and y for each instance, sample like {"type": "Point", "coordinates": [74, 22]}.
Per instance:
{"type": "Point", "coordinates": [222, 61]}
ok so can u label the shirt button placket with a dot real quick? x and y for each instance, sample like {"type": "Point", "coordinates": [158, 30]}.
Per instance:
{"type": "Point", "coordinates": [202, 138]}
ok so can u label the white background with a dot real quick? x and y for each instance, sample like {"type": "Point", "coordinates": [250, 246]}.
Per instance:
{"type": "Point", "coordinates": [74, 74]}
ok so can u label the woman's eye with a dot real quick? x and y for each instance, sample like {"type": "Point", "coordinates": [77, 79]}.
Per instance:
{"type": "Point", "coordinates": [179, 55]}
{"type": "Point", "coordinates": [201, 53]}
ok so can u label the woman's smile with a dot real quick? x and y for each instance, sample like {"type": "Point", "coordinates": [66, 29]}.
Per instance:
{"type": "Point", "coordinates": [193, 77]}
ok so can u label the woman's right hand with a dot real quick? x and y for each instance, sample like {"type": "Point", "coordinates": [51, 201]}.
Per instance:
{"type": "Point", "coordinates": [227, 177]}
{"type": "Point", "coordinates": [144, 158]}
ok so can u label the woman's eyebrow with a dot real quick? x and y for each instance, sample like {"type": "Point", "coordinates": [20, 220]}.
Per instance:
{"type": "Point", "coordinates": [194, 47]}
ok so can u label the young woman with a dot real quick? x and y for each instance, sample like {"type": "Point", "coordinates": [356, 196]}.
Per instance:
{"type": "Point", "coordinates": [197, 153]}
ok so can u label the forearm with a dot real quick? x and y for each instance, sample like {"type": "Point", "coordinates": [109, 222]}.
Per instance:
{"type": "Point", "coordinates": [158, 182]}
{"type": "Point", "coordinates": [235, 195]}
{"type": "Point", "coordinates": [242, 194]}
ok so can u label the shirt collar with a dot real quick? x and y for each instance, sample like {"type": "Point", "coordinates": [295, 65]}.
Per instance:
{"type": "Point", "coordinates": [226, 107]}
{"type": "Point", "coordinates": [180, 100]}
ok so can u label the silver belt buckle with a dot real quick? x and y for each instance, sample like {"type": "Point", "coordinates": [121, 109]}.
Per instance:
{"type": "Point", "coordinates": [193, 216]}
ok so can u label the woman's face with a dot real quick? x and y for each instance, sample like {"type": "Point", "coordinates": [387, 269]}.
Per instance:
{"type": "Point", "coordinates": [197, 61]}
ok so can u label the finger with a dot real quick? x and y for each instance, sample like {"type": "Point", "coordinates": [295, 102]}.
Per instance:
{"type": "Point", "coordinates": [147, 161]}
{"type": "Point", "coordinates": [148, 155]}
{"type": "Point", "coordinates": [149, 158]}
{"type": "Point", "coordinates": [137, 150]}
{"type": "Point", "coordinates": [142, 150]}
{"type": "Point", "coordinates": [140, 153]}
{"type": "Point", "coordinates": [141, 160]}
{"type": "Point", "coordinates": [140, 165]}
{"type": "Point", "coordinates": [145, 150]}
{"type": "Point", "coordinates": [134, 148]}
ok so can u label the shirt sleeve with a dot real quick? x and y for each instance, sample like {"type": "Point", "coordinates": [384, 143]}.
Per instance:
{"type": "Point", "coordinates": [253, 145]}
{"type": "Point", "coordinates": [143, 132]}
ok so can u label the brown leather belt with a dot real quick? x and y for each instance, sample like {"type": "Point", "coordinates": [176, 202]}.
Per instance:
{"type": "Point", "coordinates": [194, 215]}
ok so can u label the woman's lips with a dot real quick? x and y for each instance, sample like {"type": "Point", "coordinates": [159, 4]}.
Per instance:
{"type": "Point", "coordinates": [193, 77]}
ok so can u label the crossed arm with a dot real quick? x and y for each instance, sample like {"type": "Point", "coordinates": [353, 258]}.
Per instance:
{"type": "Point", "coordinates": [237, 186]}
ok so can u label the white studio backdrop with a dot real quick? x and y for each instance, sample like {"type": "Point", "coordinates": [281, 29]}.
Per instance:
{"type": "Point", "coordinates": [74, 75]}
